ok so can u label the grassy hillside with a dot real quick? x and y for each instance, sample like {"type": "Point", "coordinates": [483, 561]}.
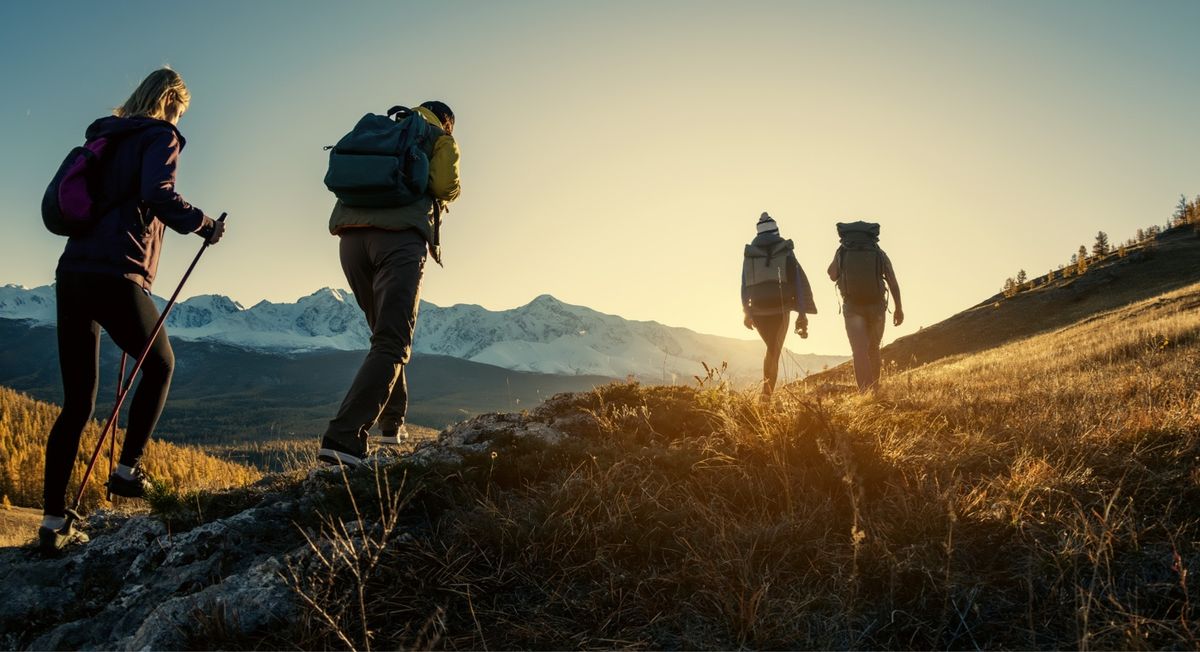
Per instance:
{"type": "Point", "coordinates": [25, 424]}
{"type": "Point", "coordinates": [1044, 494]}
{"type": "Point", "coordinates": [1168, 262]}
{"type": "Point", "coordinates": [18, 525]}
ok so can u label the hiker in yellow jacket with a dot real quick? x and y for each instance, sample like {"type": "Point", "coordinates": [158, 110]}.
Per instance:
{"type": "Point", "coordinates": [383, 251]}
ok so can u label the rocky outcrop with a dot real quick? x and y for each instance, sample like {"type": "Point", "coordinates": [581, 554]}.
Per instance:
{"type": "Point", "coordinates": [487, 434]}
{"type": "Point", "coordinates": [151, 582]}
{"type": "Point", "coordinates": [139, 586]}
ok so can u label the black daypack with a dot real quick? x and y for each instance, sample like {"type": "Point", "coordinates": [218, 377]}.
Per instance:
{"type": "Point", "coordinates": [766, 276]}
{"type": "Point", "coordinates": [382, 162]}
{"type": "Point", "coordinates": [71, 203]}
{"type": "Point", "coordinates": [860, 264]}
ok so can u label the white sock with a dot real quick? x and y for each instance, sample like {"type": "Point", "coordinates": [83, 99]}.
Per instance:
{"type": "Point", "coordinates": [53, 522]}
{"type": "Point", "coordinates": [124, 472]}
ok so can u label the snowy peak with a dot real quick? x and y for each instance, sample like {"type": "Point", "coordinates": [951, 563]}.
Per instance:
{"type": "Point", "coordinates": [202, 310]}
{"type": "Point", "coordinates": [546, 302]}
{"type": "Point", "coordinates": [328, 295]}
{"type": "Point", "coordinates": [32, 304]}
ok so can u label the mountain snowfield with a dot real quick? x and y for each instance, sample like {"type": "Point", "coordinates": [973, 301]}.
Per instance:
{"type": "Point", "coordinates": [545, 335]}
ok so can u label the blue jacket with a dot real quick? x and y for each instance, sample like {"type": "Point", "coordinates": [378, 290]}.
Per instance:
{"type": "Point", "coordinates": [138, 181]}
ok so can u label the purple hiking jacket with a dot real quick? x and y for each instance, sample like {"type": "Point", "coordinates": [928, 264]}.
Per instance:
{"type": "Point", "coordinates": [139, 182]}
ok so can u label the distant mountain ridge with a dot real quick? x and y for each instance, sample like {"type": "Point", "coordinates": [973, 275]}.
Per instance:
{"type": "Point", "coordinates": [223, 394]}
{"type": "Point", "coordinates": [543, 336]}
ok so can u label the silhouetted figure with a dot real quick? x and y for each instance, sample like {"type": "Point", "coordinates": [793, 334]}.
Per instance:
{"type": "Point", "coordinates": [773, 285]}
{"type": "Point", "coordinates": [103, 281]}
{"type": "Point", "coordinates": [384, 241]}
{"type": "Point", "coordinates": [864, 275]}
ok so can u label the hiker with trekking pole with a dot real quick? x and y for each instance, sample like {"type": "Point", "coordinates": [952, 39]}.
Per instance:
{"type": "Point", "coordinates": [113, 197]}
{"type": "Point", "coordinates": [865, 277]}
{"type": "Point", "coordinates": [773, 285]}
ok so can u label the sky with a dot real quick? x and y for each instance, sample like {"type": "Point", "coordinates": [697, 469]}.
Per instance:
{"type": "Point", "coordinates": [618, 154]}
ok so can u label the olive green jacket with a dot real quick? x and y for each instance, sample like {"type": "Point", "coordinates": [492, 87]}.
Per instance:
{"type": "Point", "coordinates": [424, 215]}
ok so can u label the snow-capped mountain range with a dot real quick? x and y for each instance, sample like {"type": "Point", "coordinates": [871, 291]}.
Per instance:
{"type": "Point", "coordinates": [545, 335]}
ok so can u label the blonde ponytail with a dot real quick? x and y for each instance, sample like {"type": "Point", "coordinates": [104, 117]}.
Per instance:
{"type": "Point", "coordinates": [159, 90]}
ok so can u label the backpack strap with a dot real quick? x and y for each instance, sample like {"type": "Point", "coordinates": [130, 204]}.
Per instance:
{"type": "Point", "coordinates": [887, 295]}
{"type": "Point", "coordinates": [399, 113]}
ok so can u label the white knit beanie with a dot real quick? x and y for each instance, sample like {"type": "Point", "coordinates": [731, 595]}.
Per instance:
{"type": "Point", "coordinates": [766, 224]}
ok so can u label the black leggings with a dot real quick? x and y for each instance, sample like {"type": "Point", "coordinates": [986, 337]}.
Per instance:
{"type": "Point", "coordinates": [87, 303]}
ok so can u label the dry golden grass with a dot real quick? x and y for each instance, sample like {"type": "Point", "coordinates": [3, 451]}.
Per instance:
{"type": "Point", "coordinates": [1040, 495]}
{"type": "Point", "coordinates": [1045, 494]}
{"type": "Point", "coordinates": [18, 525]}
{"type": "Point", "coordinates": [292, 455]}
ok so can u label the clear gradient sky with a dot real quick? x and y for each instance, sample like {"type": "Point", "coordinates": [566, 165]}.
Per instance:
{"type": "Point", "coordinates": [618, 154]}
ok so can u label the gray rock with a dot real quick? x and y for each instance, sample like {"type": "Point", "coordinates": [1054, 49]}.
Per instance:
{"type": "Point", "coordinates": [245, 604]}
{"type": "Point", "coordinates": [140, 585]}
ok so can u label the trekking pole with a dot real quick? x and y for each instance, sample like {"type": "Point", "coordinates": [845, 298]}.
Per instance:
{"type": "Point", "coordinates": [112, 443]}
{"type": "Point", "coordinates": [73, 511]}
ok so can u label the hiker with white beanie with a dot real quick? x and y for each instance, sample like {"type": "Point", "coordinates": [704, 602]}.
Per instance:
{"type": "Point", "coordinates": [773, 285]}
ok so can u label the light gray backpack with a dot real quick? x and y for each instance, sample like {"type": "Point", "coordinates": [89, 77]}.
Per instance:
{"type": "Point", "coordinates": [765, 274]}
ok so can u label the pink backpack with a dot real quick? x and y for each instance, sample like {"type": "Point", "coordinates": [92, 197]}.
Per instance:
{"type": "Point", "coordinates": [71, 203]}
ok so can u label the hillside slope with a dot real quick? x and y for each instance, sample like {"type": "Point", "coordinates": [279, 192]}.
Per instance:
{"type": "Point", "coordinates": [1170, 262]}
{"type": "Point", "coordinates": [25, 423]}
{"type": "Point", "coordinates": [1039, 495]}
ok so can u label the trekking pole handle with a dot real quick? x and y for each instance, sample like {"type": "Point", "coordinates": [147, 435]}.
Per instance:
{"type": "Point", "coordinates": [222, 221]}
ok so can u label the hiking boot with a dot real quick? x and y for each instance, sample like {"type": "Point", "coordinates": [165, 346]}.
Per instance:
{"type": "Point", "coordinates": [137, 487]}
{"type": "Point", "coordinates": [395, 438]}
{"type": "Point", "coordinates": [336, 453]}
{"type": "Point", "coordinates": [52, 542]}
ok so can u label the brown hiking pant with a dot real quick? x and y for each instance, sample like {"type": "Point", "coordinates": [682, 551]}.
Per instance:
{"type": "Point", "coordinates": [864, 327]}
{"type": "Point", "coordinates": [384, 269]}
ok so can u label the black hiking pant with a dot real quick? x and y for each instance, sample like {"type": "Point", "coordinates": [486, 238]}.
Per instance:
{"type": "Point", "coordinates": [87, 303]}
{"type": "Point", "coordinates": [384, 269]}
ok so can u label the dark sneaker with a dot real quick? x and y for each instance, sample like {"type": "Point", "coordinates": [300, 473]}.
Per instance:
{"type": "Point", "coordinates": [52, 542]}
{"type": "Point", "coordinates": [395, 438]}
{"type": "Point", "coordinates": [138, 487]}
{"type": "Point", "coordinates": [335, 453]}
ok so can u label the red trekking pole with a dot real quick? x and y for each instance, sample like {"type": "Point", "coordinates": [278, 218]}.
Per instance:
{"type": "Point", "coordinates": [112, 448]}
{"type": "Point", "coordinates": [123, 390]}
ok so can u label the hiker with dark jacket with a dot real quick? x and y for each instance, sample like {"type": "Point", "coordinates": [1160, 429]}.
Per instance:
{"type": "Point", "coordinates": [103, 280]}
{"type": "Point", "coordinates": [383, 251]}
{"type": "Point", "coordinates": [774, 284]}
{"type": "Point", "coordinates": [861, 269]}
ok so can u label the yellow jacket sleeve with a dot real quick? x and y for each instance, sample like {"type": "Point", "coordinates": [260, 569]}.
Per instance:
{"type": "Point", "coordinates": [443, 169]}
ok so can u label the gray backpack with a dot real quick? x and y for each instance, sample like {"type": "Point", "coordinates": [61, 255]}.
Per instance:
{"type": "Point", "coordinates": [384, 161]}
{"type": "Point", "coordinates": [765, 274]}
{"type": "Point", "coordinates": [860, 264]}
